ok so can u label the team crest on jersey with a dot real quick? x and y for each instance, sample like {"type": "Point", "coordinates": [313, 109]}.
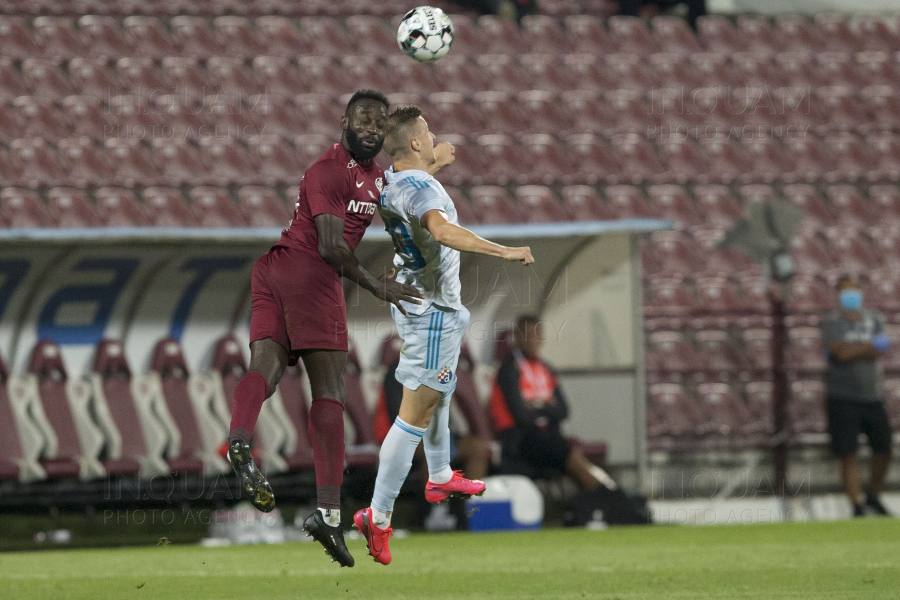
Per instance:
{"type": "Point", "coordinates": [379, 184]}
{"type": "Point", "coordinates": [445, 376]}
{"type": "Point", "coordinates": [351, 164]}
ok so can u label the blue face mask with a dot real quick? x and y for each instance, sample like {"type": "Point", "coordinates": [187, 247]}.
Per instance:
{"type": "Point", "coordinates": [851, 299]}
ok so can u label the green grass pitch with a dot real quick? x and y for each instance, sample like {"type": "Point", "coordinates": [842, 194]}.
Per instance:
{"type": "Point", "coordinates": [839, 560]}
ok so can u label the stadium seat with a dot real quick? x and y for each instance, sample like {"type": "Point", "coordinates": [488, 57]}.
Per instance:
{"type": "Point", "coordinates": [130, 162]}
{"type": "Point", "coordinates": [82, 163]}
{"type": "Point", "coordinates": [852, 250]}
{"type": "Point", "coordinates": [884, 151]}
{"type": "Point", "coordinates": [758, 34]}
{"type": "Point", "coordinates": [23, 208]}
{"type": "Point", "coordinates": [167, 208]}
{"type": "Point", "coordinates": [118, 207]}
{"type": "Point", "coordinates": [280, 37]}
{"type": "Point", "coordinates": [227, 160]}
{"type": "Point", "coordinates": [133, 436]}
{"type": "Point", "coordinates": [628, 71]}
{"type": "Point", "coordinates": [178, 161]}
{"type": "Point", "coordinates": [148, 37]}
{"type": "Point", "coordinates": [628, 202]}
{"type": "Point", "coordinates": [809, 295]}
{"type": "Point", "coordinates": [298, 450]}
{"type": "Point", "coordinates": [718, 352]}
{"type": "Point", "coordinates": [638, 158]}
{"type": "Point", "coordinates": [672, 413]}
{"type": "Point", "coordinates": [318, 114]}
{"type": "Point", "coordinates": [673, 75]}
{"type": "Point", "coordinates": [550, 162]}
{"type": "Point", "coordinates": [10, 123]}
{"type": "Point", "coordinates": [887, 202]}
{"type": "Point", "coordinates": [91, 77]}
{"type": "Point", "coordinates": [671, 353]}
{"type": "Point", "coordinates": [309, 148]}
{"type": "Point", "coordinates": [805, 351]}
{"type": "Point", "coordinates": [502, 73]}
{"type": "Point", "coordinates": [371, 35]}
{"type": "Point", "coordinates": [849, 207]}
{"type": "Point", "coordinates": [140, 73]}
{"type": "Point", "coordinates": [757, 343]}
{"type": "Point", "coordinates": [231, 85]}
{"type": "Point", "coordinates": [838, 68]}
{"type": "Point", "coordinates": [726, 159]}
{"type": "Point", "coordinates": [756, 69]}
{"type": "Point", "coordinates": [630, 34]}
{"type": "Point", "coordinates": [810, 201]}
{"type": "Point", "coordinates": [87, 117]}
{"type": "Point", "coordinates": [588, 72]}
{"type": "Point", "coordinates": [277, 162]}
{"type": "Point", "coordinates": [726, 414]}
{"type": "Point", "coordinates": [811, 255]}
{"type": "Point", "coordinates": [669, 297]}
{"type": "Point", "coordinates": [851, 160]}
{"type": "Point", "coordinates": [18, 451]}
{"type": "Point", "coordinates": [499, 36]}
{"type": "Point", "coordinates": [277, 76]}
{"type": "Point", "coordinates": [587, 34]}
{"type": "Point", "coordinates": [16, 38]}
{"type": "Point", "coordinates": [456, 74]}
{"type": "Point", "coordinates": [799, 68]}
{"type": "Point", "coordinates": [673, 35]}
{"type": "Point", "coordinates": [504, 164]}
{"type": "Point", "coordinates": [720, 262]}
{"type": "Point", "coordinates": [72, 208]}
{"type": "Point", "coordinates": [758, 395]}
{"type": "Point", "coordinates": [363, 451]}
{"type": "Point", "coordinates": [685, 159]}
{"type": "Point", "coordinates": [718, 295]}
{"type": "Point", "coordinates": [875, 34]}
{"type": "Point", "coordinates": [194, 37]}
{"type": "Point", "coordinates": [469, 163]}
{"type": "Point", "coordinates": [718, 207]}
{"type": "Point", "coordinates": [323, 28]}
{"type": "Point", "coordinates": [835, 30]}
{"type": "Point", "coordinates": [766, 159]}
{"type": "Point", "coordinates": [807, 407]}
{"type": "Point", "coordinates": [11, 82]}
{"type": "Point", "coordinates": [799, 34]}
{"type": "Point", "coordinates": [185, 76]}
{"type": "Point", "coordinates": [539, 204]}
{"type": "Point", "coordinates": [673, 202]}
{"type": "Point", "coordinates": [593, 161]}
{"type": "Point", "coordinates": [103, 37]}
{"type": "Point", "coordinates": [262, 207]}
{"type": "Point", "coordinates": [238, 37]}
{"type": "Point", "coordinates": [883, 107]}
{"type": "Point", "coordinates": [543, 33]}
{"type": "Point", "coordinates": [185, 419]}
{"type": "Point", "coordinates": [215, 208]}
{"type": "Point", "coordinates": [584, 203]}
{"type": "Point", "coordinates": [464, 211]}
{"type": "Point", "coordinates": [494, 206]}
{"type": "Point", "coordinates": [718, 35]}
{"type": "Point", "coordinates": [712, 70]}
{"type": "Point", "coordinates": [39, 117]}
{"type": "Point", "coordinates": [58, 39]}
{"type": "Point", "coordinates": [73, 442]}
{"type": "Point", "coordinates": [496, 112]}
{"type": "Point", "coordinates": [545, 72]}
{"type": "Point", "coordinates": [365, 72]}
{"type": "Point", "coordinates": [810, 161]}
{"type": "Point", "coordinates": [35, 163]}
{"type": "Point", "coordinates": [275, 115]}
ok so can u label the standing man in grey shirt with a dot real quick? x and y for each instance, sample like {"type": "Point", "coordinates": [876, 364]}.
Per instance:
{"type": "Point", "coordinates": [855, 341]}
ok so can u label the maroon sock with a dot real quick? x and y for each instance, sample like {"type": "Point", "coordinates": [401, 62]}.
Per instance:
{"type": "Point", "coordinates": [248, 400]}
{"type": "Point", "coordinates": [326, 433]}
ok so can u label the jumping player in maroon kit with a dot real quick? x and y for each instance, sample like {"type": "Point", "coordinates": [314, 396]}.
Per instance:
{"type": "Point", "coordinates": [298, 310]}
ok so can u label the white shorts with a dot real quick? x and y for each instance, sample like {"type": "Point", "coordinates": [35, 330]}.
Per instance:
{"type": "Point", "coordinates": [431, 344]}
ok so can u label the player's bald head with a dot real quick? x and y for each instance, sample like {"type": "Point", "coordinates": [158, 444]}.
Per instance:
{"type": "Point", "coordinates": [404, 125]}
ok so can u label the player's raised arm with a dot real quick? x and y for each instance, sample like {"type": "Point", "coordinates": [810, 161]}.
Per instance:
{"type": "Point", "coordinates": [459, 238]}
{"type": "Point", "coordinates": [334, 250]}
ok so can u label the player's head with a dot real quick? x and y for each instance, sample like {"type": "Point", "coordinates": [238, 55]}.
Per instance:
{"type": "Point", "coordinates": [364, 124]}
{"type": "Point", "coordinates": [408, 135]}
{"type": "Point", "coordinates": [528, 335]}
{"type": "Point", "coordinates": [849, 292]}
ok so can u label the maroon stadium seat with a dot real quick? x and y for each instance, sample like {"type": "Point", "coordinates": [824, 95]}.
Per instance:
{"type": "Point", "coordinates": [673, 203]}
{"type": "Point", "coordinates": [275, 115]}
{"type": "Point", "coordinates": [23, 208]}
{"type": "Point", "coordinates": [238, 37]}
{"type": "Point", "coordinates": [767, 160]}
{"type": "Point", "coordinates": [718, 352]}
{"type": "Point", "coordinates": [130, 162]}
{"type": "Point", "coordinates": [726, 414]}
{"type": "Point", "coordinates": [639, 160]}
{"type": "Point", "coordinates": [717, 205]}
{"type": "Point", "coordinates": [58, 38]}
{"type": "Point", "coordinates": [877, 68]}
{"type": "Point", "coordinates": [168, 362]}
{"type": "Point", "coordinates": [759, 35]}
{"type": "Point", "coordinates": [464, 211]}
{"type": "Point", "coordinates": [593, 161]}
{"type": "Point", "coordinates": [320, 114]}
{"type": "Point", "coordinates": [809, 294]}
{"type": "Point", "coordinates": [892, 402]}
{"type": "Point", "coordinates": [504, 164]}
{"type": "Point", "coordinates": [720, 262]}
{"type": "Point", "coordinates": [835, 30]}
{"type": "Point", "coordinates": [371, 35]}
{"type": "Point", "coordinates": [588, 34]}
{"type": "Point", "coordinates": [324, 28]}
{"type": "Point", "coordinates": [551, 162]}
{"type": "Point", "coordinates": [91, 78]}
{"type": "Point", "coordinates": [718, 35]}
{"type": "Point", "coordinates": [277, 76]}
{"type": "Point", "coordinates": [810, 160]}
{"type": "Point", "coordinates": [194, 37]}
{"type": "Point", "coordinates": [712, 69]}
{"type": "Point", "coordinates": [672, 413]}
{"type": "Point", "coordinates": [497, 112]}
{"type": "Point", "coordinates": [179, 162]}
{"type": "Point", "coordinates": [838, 68]}
{"type": "Point", "coordinates": [118, 207]}
{"type": "Point", "coordinates": [82, 163]}
{"type": "Point", "coordinates": [883, 106]}
{"type": "Point", "coordinates": [309, 149]}
{"type": "Point", "coordinates": [798, 67]}
{"type": "Point", "coordinates": [167, 208]}
{"type": "Point", "coordinates": [72, 208]}
{"type": "Point", "coordinates": [887, 201]}
{"type": "Point", "coordinates": [805, 351]}
{"type": "Point", "coordinates": [673, 35]}
{"type": "Point", "coordinates": [685, 160]}
{"type": "Point", "coordinates": [807, 407]}
{"type": "Point", "coordinates": [16, 38]}
{"type": "Point", "coordinates": [628, 202]}
{"type": "Point", "coordinates": [35, 163]}
{"type": "Point", "coordinates": [277, 162]}
{"type": "Point", "coordinates": [12, 452]}
{"type": "Point", "coordinates": [811, 254]}
{"type": "Point", "coordinates": [810, 201]}
{"type": "Point", "coordinates": [10, 123]}
{"type": "Point", "coordinates": [229, 77]}
{"type": "Point", "coordinates": [758, 395]}
{"type": "Point", "coordinates": [589, 72]}
{"type": "Point", "coordinates": [875, 34]}
{"type": "Point", "coordinates": [503, 74]}
{"type": "Point", "coordinates": [719, 295]}
{"type": "Point", "coordinates": [215, 208]}
{"type": "Point", "coordinates": [88, 117]}
{"type": "Point", "coordinates": [586, 111]}
{"type": "Point", "coordinates": [140, 72]}
{"type": "Point", "coordinates": [148, 37]}
{"type": "Point", "coordinates": [671, 70]}
{"type": "Point", "coordinates": [851, 160]}
{"type": "Point", "coordinates": [670, 297]}
{"type": "Point", "coordinates": [185, 76]}
{"type": "Point", "coordinates": [539, 204]}
{"type": "Point", "coordinates": [630, 34]}
{"type": "Point", "coordinates": [11, 82]}
{"type": "Point", "coordinates": [849, 207]}
{"type": "Point", "coordinates": [546, 72]}
{"type": "Point", "coordinates": [628, 71]}
{"type": "Point", "coordinates": [449, 113]}
{"type": "Point", "coordinates": [799, 34]}
{"type": "Point", "coordinates": [293, 397]}
{"type": "Point", "coordinates": [671, 353]}
{"type": "Point", "coordinates": [39, 117]}
{"type": "Point", "coordinates": [280, 37]}
{"type": "Point", "coordinates": [584, 203]}
{"type": "Point", "coordinates": [367, 72]}
{"type": "Point", "coordinates": [228, 161]}
{"type": "Point", "coordinates": [852, 250]}
{"type": "Point", "coordinates": [884, 150]}
{"type": "Point", "coordinates": [456, 74]}
{"type": "Point", "coordinates": [46, 364]}
{"type": "Point", "coordinates": [114, 374]}
{"type": "Point", "coordinates": [494, 205]}
{"type": "Point", "coordinates": [103, 37]}
{"type": "Point", "coordinates": [363, 452]}
{"type": "Point", "coordinates": [758, 348]}
{"type": "Point", "coordinates": [500, 36]}
{"type": "Point", "coordinates": [262, 207]}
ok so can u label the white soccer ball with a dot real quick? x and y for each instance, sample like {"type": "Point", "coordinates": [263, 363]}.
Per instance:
{"type": "Point", "coordinates": [425, 34]}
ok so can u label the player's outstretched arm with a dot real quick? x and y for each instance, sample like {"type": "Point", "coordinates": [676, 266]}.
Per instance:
{"type": "Point", "coordinates": [334, 250]}
{"type": "Point", "coordinates": [444, 154]}
{"type": "Point", "coordinates": [459, 238]}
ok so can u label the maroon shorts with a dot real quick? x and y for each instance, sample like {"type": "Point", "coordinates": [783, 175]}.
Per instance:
{"type": "Point", "coordinates": [298, 301]}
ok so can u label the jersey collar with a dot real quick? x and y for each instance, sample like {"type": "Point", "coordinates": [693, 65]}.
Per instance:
{"type": "Point", "coordinates": [393, 177]}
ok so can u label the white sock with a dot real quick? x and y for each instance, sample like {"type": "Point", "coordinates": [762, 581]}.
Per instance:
{"type": "Point", "coordinates": [394, 462]}
{"type": "Point", "coordinates": [437, 442]}
{"type": "Point", "coordinates": [332, 516]}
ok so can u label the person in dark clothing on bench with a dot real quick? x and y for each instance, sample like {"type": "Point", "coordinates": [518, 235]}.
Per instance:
{"type": "Point", "coordinates": [528, 408]}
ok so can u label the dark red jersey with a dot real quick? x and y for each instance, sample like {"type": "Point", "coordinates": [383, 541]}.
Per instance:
{"type": "Point", "coordinates": [337, 185]}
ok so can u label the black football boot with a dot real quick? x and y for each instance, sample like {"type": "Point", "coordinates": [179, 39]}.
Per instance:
{"type": "Point", "coordinates": [253, 483]}
{"type": "Point", "coordinates": [332, 538]}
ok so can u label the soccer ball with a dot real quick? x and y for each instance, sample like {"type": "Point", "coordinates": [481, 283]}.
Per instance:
{"type": "Point", "coordinates": [425, 34]}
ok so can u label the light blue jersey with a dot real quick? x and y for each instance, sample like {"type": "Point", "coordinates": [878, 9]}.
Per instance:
{"type": "Point", "coordinates": [420, 260]}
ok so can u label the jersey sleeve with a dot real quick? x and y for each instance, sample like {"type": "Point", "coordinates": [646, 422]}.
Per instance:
{"type": "Point", "coordinates": [421, 200]}
{"type": "Point", "coordinates": [326, 188]}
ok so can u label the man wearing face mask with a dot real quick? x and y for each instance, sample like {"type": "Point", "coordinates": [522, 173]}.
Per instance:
{"type": "Point", "coordinates": [855, 341]}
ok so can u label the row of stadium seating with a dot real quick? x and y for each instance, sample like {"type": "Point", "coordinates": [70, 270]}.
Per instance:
{"type": "Point", "coordinates": [834, 235]}
{"type": "Point", "coordinates": [185, 35]}
{"type": "Point", "coordinates": [673, 80]}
